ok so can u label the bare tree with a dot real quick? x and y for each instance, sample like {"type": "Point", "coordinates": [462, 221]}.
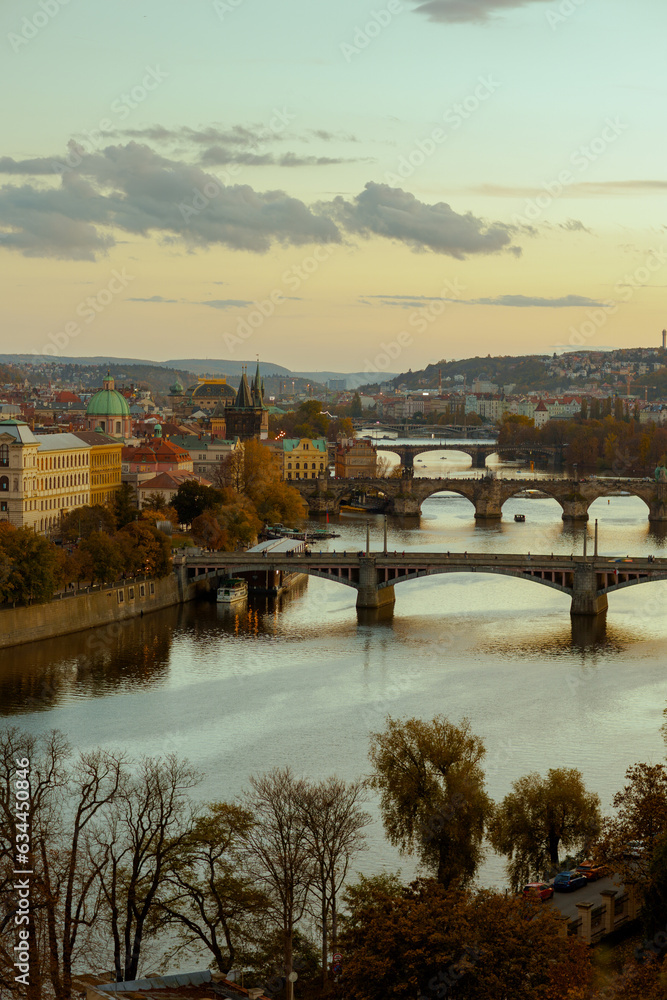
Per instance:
{"type": "Point", "coordinates": [207, 894]}
{"type": "Point", "coordinates": [64, 799]}
{"type": "Point", "coordinates": [279, 855]}
{"type": "Point", "coordinates": [148, 824]}
{"type": "Point", "coordinates": [334, 824]}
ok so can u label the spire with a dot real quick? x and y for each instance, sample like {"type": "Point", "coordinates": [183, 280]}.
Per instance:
{"type": "Point", "coordinates": [243, 397]}
{"type": "Point", "coordinates": [257, 387]}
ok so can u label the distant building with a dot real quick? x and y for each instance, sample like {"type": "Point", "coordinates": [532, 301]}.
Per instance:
{"type": "Point", "coordinates": [337, 384]}
{"type": "Point", "coordinates": [355, 459]}
{"type": "Point", "coordinates": [247, 417]}
{"type": "Point", "coordinates": [207, 451]}
{"type": "Point", "coordinates": [105, 465]}
{"type": "Point", "coordinates": [109, 410]}
{"type": "Point", "coordinates": [301, 458]}
{"type": "Point", "coordinates": [166, 485]}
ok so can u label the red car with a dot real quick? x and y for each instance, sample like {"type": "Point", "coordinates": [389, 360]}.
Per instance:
{"type": "Point", "coordinates": [538, 890]}
{"type": "Point", "coordinates": [591, 870]}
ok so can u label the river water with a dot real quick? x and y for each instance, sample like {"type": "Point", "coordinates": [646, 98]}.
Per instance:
{"type": "Point", "coordinates": [303, 681]}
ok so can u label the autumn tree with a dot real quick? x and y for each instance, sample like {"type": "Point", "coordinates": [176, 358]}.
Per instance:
{"type": "Point", "coordinates": [29, 566]}
{"type": "Point", "coordinates": [207, 895]}
{"type": "Point", "coordinates": [105, 558]}
{"type": "Point", "coordinates": [539, 816]}
{"type": "Point", "coordinates": [144, 549]}
{"type": "Point", "coordinates": [279, 854]}
{"type": "Point", "coordinates": [641, 818]}
{"type": "Point", "coordinates": [81, 522]}
{"type": "Point", "coordinates": [426, 940]}
{"type": "Point", "coordinates": [334, 824]}
{"type": "Point", "coordinates": [206, 531]}
{"type": "Point", "coordinates": [433, 799]}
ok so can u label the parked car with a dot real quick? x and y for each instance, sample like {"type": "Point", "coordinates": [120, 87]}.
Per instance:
{"type": "Point", "coordinates": [569, 881]}
{"type": "Point", "coordinates": [591, 870]}
{"type": "Point", "coordinates": [538, 890]}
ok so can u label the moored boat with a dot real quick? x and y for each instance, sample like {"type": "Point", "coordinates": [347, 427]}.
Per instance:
{"type": "Point", "coordinates": [232, 590]}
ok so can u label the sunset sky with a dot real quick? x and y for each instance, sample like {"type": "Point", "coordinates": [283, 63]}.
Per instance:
{"type": "Point", "coordinates": [344, 186]}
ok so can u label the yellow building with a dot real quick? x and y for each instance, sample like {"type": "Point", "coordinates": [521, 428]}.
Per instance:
{"type": "Point", "coordinates": [45, 476]}
{"type": "Point", "coordinates": [105, 465]}
{"type": "Point", "coordinates": [301, 458]}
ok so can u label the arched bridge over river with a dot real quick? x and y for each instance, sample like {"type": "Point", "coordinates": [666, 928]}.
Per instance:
{"type": "Point", "coordinates": [406, 495]}
{"type": "Point", "coordinates": [478, 452]}
{"type": "Point", "coordinates": [375, 574]}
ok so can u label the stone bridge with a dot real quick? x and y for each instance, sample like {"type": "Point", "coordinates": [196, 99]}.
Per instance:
{"type": "Point", "coordinates": [405, 496]}
{"type": "Point", "coordinates": [586, 580]}
{"type": "Point", "coordinates": [478, 452]}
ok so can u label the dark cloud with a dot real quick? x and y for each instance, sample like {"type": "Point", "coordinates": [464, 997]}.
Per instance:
{"type": "Point", "coordinates": [468, 11]}
{"type": "Point", "coordinates": [396, 214]}
{"type": "Point", "coordinates": [133, 189]}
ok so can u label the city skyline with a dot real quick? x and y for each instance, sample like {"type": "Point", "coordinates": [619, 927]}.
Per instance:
{"type": "Point", "coordinates": [410, 181]}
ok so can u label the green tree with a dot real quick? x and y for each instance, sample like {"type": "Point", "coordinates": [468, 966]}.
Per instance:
{"type": "Point", "coordinates": [192, 499]}
{"type": "Point", "coordinates": [356, 409]}
{"type": "Point", "coordinates": [32, 573]}
{"type": "Point", "coordinates": [80, 523]}
{"type": "Point", "coordinates": [433, 800]}
{"type": "Point", "coordinates": [156, 502]}
{"type": "Point", "coordinates": [207, 895]}
{"type": "Point", "coordinates": [641, 818]}
{"type": "Point", "coordinates": [538, 817]}
{"type": "Point", "coordinates": [105, 557]}
{"type": "Point", "coordinates": [123, 505]}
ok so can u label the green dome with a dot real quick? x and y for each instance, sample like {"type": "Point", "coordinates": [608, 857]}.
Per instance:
{"type": "Point", "coordinates": [176, 389]}
{"type": "Point", "coordinates": [108, 402]}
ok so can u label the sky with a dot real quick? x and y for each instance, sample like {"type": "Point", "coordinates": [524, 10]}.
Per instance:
{"type": "Point", "coordinates": [348, 185]}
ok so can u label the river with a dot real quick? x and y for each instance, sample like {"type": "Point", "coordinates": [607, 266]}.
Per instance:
{"type": "Point", "coordinates": [304, 681]}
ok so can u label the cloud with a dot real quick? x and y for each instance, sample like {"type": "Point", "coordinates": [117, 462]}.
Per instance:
{"type": "Point", "coordinates": [216, 156]}
{"type": "Point", "coordinates": [513, 301]}
{"type": "Point", "coordinates": [529, 301]}
{"type": "Point", "coordinates": [134, 189]}
{"type": "Point", "coordinates": [225, 303]}
{"type": "Point", "coordinates": [153, 298]}
{"type": "Point", "coordinates": [396, 214]}
{"type": "Point", "coordinates": [584, 189]}
{"type": "Point", "coordinates": [468, 11]}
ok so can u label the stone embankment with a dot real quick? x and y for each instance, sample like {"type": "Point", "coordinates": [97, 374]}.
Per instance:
{"type": "Point", "coordinates": [93, 607]}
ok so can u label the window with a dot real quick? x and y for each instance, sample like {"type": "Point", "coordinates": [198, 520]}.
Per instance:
{"type": "Point", "coordinates": [152, 586]}
{"type": "Point", "coordinates": [121, 596]}
{"type": "Point", "coordinates": [313, 466]}
{"type": "Point", "coordinates": [305, 447]}
{"type": "Point", "coordinates": [289, 465]}
{"type": "Point", "coordinates": [321, 465]}
{"type": "Point", "coordinates": [4, 484]}
{"type": "Point", "coordinates": [298, 475]}
{"type": "Point", "coordinates": [298, 465]}
{"type": "Point", "coordinates": [131, 594]}
{"type": "Point", "coordinates": [4, 454]}
{"type": "Point", "coordinates": [3, 506]}
{"type": "Point", "coordinates": [142, 590]}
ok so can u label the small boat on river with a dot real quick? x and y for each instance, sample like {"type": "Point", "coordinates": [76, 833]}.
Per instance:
{"type": "Point", "coordinates": [231, 591]}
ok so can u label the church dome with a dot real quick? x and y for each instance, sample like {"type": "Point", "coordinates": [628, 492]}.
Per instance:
{"type": "Point", "coordinates": [108, 402]}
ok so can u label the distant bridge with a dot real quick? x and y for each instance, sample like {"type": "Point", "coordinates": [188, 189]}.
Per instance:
{"type": "Point", "coordinates": [478, 452]}
{"type": "Point", "coordinates": [586, 580]}
{"type": "Point", "coordinates": [406, 495]}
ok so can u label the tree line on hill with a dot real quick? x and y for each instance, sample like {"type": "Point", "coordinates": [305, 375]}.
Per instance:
{"type": "Point", "coordinates": [604, 437]}
{"type": "Point", "coordinates": [127, 865]}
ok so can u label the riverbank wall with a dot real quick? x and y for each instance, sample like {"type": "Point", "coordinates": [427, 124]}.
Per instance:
{"type": "Point", "coordinates": [96, 606]}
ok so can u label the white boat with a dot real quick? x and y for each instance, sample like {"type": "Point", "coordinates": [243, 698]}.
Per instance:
{"type": "Point", "coordinates": [231, 591]}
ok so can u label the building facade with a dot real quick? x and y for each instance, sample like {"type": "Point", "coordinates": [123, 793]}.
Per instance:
{"type": "Point", "coordinates": [105, 465]}
{"type": "Point", "coordinates": [355, 459]}
{"type": "Point", "coordinates": [301, 458]}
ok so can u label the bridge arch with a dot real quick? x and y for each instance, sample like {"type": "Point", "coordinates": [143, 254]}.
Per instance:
{"type": "Point", "coordinates": [529, 577]}
{"type": "Point", "coordinates": [520, 488]}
